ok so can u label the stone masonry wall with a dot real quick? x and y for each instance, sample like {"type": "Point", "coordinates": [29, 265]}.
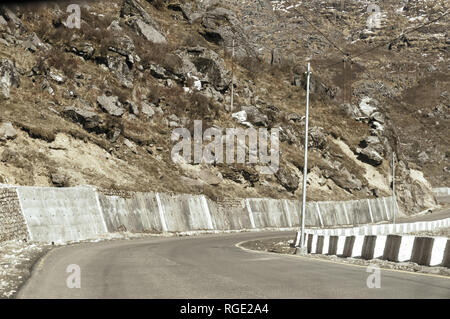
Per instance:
{"type": "Point", "coordinates": [12, 223]}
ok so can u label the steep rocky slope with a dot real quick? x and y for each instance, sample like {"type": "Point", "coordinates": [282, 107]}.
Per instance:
{"type": "Point", "coordinates": [98, 105]}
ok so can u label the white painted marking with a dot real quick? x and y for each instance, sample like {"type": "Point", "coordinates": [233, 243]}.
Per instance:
{"type": "Point", "coordinates": [286, 212]}
{"type": "Point", "coordinates": [100, 209]}
{"type": "Point", "coordinates": [386, 208]}
{"type": "Point", "coordinates": [370, 210]}
{"type": "Point", "coordinates": [161, 213]}
{"type": "Point", "coordinates": [320, 215]}
{"type": "Point", "coordinates": [346, 214]}
{"type": "Point", "coordinates": [380, 243]}
{"type": "Point", "coordinates": [326, 245]}
{"type": "Point", "coordinates": [340, 245]}
{"type": "Point", "coordinates": [250, 214]}
{"type": "Point", "coordinates": [207, 213]}
{"type": "Point", "coordinates": [357, 246]}
{"type": "Point", "coordinates": [406, 247]}
{"type": "Point", "coordinates": [437, 253]}
{"type": "Point", "coordinates": [314, 244]}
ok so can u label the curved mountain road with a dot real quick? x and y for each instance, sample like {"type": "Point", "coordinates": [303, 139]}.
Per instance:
{"type": "Point", "coordinates": [212, 266]}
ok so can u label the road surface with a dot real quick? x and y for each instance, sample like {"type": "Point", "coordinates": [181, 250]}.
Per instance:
{"type": "Point", "coordinates": [442, 213]}
{"type": "Point", "coordinates": [212, 266]}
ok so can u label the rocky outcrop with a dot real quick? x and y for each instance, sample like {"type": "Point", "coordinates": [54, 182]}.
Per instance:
{"type": "Point", "coordinates": [111, 105]}
{"type": "Point", "coordinates": [149, 32]}
{"type": "Point", "coordinates": [221, 27]}
{"type": "Point", "coordinates": [7, 131]}
{"type": "Point", "coordinates": [89, 119]}
{"type": "Point", "coordinates": [206, 65]}
{"type": "Point", "coordinates": [288, 178]}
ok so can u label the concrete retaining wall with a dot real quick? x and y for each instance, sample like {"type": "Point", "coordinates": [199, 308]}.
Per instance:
{"type": "Point", "coordinates": [427, 251]}
{"type": "Point", "coordinates": [441, 191]}
{"type": "Point", "coordinates": [138, 213]}
{"type": "Point", "coordinates": [61, 214]}
{"type": "Point", "coordinates": [79, 213]}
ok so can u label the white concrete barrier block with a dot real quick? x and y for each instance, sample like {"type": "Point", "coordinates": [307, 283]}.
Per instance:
{"type": "Point", "coordinates": [357, 246]}
{"type": "Point", "coordinates": [297, 239]}
{"type": "Point", "coordinates": [314, 244]}
{"type": "Point", "coordinates": [340, 245]}
{"type": "Point", "coordinates": [348, 232]}
{"type": "Point", "coordinates": [379, 246]}
{"type": "Point", "coordinates": [437, 253]}
{"type": "Point", "coordinates": [406, 247]}
{"type": "Point", "coordinates": [391, 229]}
{"type": "Point", "coordinates": [326, 245]}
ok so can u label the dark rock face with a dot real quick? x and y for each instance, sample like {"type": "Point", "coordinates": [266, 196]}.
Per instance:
{"type": "Point", "coordinates": [371, 151]}
{"type": "Point", "coordinates": [345, 180]}
{"type": "Point", "coordinates": [255, 116]}
{"type": "Point", "coordinates": [287, 178]}
{"type": "Point", "coordinates": [207, 65]}
{"type": "Point", "coordinates": [221, 26]}
{"type": "Point", "coordinates": [90, 120]}
{"type": "Point", "coordinates": [83, 49]}
{"type": "Point", "coordinates": [132, 8]}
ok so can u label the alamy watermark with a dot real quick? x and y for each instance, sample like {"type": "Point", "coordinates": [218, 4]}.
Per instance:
{"type": "Point", "coordinates": [223, 149]}
{"type": "Point", "coordinates": [74, 279]}
{"type": "Point", "coordinates": [374, 280]}
{"type": "Point", "coordinates": [374, 20]}
{"type": "Point", "coordinates": [74, 19]}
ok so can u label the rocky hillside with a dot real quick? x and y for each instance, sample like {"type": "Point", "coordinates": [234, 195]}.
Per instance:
{"type": "Point", "coordinates": [98, 104]}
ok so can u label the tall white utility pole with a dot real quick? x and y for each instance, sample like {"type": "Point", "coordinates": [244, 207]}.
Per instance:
{"type": "Point", "coordinates": [305, 166]}
{"type": "Point", "coordinates": [394, 201]}
{"type": "Point", "coordinates": [232, 79]}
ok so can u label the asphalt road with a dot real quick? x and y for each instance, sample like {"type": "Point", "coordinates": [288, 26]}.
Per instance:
{"type": "Point", "coordinates": [442, 213]}
{"type": "Point", "coordinates": [211, 266]}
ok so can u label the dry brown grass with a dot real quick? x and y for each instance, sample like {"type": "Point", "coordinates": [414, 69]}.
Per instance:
{"type": "Point", "coordinates": [59, 60]}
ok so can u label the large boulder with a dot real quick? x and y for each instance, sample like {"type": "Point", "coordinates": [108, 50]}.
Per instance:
{"type": "Point", "coordinates": [90, 120]}
{"type": "Point", "coordinates": [371, 150]}
{"type": "Point", "coordinates": [255, 116]}
{"type": "Point", "coordinates": [206, 65]}
{"type": "Point", "coordinates": [344, 179]}
{"type": "Point", "coordinates": [288, 178]}
{"type": "Point", "coordinates": [111, 105]}
{"type": "Point", "coordinates": [148, 31]}
{"type": "Point", "coordinates": [370, 156]}
{"type": "Point", "coordinates": [7, 131]}
{"type": "Point", "coordinates": [414, 193]}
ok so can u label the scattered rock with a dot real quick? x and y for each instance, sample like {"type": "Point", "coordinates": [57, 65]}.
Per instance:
{"type": "Point", "coordinates": [111, 105]}
{"type": "Point", "coordinates": [59, 179]}
{"type": "Point", "coordinates": [7, 131]}
{"type": "Point", "coordinates": [147, 110]}
{"type": "Point", "coordinates": [90, 120]}
{"type": "Point", "coordinates": [130, 145]}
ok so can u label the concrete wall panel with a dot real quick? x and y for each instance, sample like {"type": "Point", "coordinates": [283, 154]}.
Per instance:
{"type": "Point", "coordinates": [61, 214]}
